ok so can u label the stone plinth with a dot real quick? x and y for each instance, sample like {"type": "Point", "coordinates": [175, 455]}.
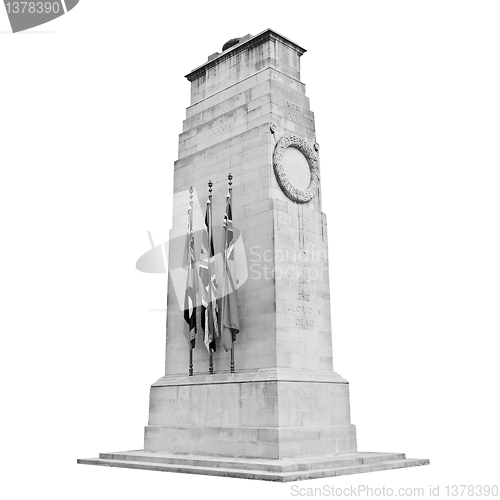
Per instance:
{"type": "Point", "coordinates": [268, 414]}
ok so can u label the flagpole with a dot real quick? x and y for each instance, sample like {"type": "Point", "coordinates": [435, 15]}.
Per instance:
{"type": "Point", "coordinates": [230, 179]}
{"type": "Point", "coordinates": [192, 270]}
{"type": "Point", "coordinates": [210, 184]}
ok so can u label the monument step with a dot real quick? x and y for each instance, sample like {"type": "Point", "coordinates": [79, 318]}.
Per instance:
{"type": "Point", "coordinates": [272, 465]}
{"type": "Point", "coordinates": [268, 470]}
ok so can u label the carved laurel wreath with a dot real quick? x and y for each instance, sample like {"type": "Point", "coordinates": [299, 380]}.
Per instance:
{"type": "Point", "coordinates": [292, 141]}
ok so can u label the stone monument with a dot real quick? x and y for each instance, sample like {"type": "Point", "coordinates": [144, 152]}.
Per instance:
{"type": "Point", "coordinates": [284, 413]}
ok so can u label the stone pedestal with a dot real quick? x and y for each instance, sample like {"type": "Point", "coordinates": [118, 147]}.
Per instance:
{"type": "Point", "coordinates": [285, 412]}
{"type": "Point", "coordinates": [265, 414]}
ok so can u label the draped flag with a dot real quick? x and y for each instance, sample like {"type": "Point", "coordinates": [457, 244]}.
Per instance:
{"type": "Point", "coordinates": [191, 284]}
{"type": "Point", "coordinates": [230, 323]}
{"type": "Point", "coordinates": [209, 307]}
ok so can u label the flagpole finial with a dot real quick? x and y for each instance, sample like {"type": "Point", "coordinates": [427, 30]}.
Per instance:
{"type": "Point", "coordinates": [230, 179]}
{"type": "Point", "coordinates": [210, 184]}
{"type": "Point", "coordinates": [191, 192]}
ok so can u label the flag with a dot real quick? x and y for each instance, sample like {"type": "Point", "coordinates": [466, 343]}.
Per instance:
{"type": "Point", "coordinates": [209, 307]}
{"type": "Point", "coordinates": [230, 322]}
{"type": "Point", "coordinates": [191, 284]}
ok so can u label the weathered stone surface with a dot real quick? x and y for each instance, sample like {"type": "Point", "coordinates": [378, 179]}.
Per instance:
{"type": "Point", "coordinates": [235, 100]}
{"type": "Point", "coordinates": [228, 414]}
{"type": "Point", "coordinates": [285, 413]}
{"type": "Point", "coordinates": [284, 305]}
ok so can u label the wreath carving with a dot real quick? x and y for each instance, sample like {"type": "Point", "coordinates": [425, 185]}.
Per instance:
{"type": "Point", "coordinates": [297, 195]}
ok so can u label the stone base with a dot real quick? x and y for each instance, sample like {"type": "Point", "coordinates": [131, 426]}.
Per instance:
{"type": "Point", "coordinates": [273, 425]}
{"type": "Point", "coordinates": [281, 470]}
{"type": "Point", "coordinates": [251, 442]}
{"type": "Point", "coordinates": [268, 414]}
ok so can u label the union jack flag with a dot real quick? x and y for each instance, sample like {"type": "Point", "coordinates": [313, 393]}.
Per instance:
{"type": "Point", "coordinates": [209, 306]}
{"type": "Point", "coordinates": [230, 323]}
{"type": "Point", "coordinates": [191, 284]}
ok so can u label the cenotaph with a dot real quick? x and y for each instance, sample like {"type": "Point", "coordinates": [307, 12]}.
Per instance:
{"type": "Point", "coordinates": [284, 413]}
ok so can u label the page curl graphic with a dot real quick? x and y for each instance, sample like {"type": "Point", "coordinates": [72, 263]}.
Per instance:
{"type": "Point", "coordinates": [24, 15]}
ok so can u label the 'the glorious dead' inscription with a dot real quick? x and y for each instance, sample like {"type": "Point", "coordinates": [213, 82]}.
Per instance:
{"type": "Point", "coordinates": [304, 310]}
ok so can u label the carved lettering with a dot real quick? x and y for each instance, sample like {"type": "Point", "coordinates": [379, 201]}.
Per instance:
{"type": "Point", "coordinates": [304, 322]}
{"type": "Point", "coordinates": [224, 106]}
{"type": "Point", "coordinates": [293, 107]}
{"type": "Point", "coordinates": [313, 311]}
{"type": "Point", "coordinates": [225, 121]}
{"type": "Point", "coordinates": [222, 128]}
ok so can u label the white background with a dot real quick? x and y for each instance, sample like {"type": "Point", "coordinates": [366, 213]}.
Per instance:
{"type": "Point", "coordinates": [406, 98]}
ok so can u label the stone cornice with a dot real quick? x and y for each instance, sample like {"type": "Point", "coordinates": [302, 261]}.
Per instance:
{"type": "Point", "coordinates": [259, 39]}
{"type": "Point", "coordinates": [262, 375]}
